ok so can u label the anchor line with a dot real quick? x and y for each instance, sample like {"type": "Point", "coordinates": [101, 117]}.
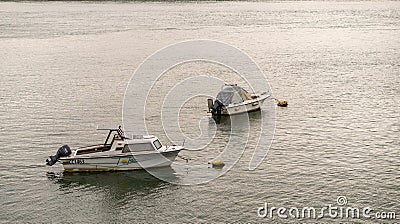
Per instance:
{"type": "Point", "coordinates": [184, 158]}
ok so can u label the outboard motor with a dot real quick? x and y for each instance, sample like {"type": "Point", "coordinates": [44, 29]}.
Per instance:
{"type": "Point", "coordinates": [217, 107]}
{"type": "Point", "coordinates": [63, 151]}
{"type": "Point", "coordinates": [210, 104]}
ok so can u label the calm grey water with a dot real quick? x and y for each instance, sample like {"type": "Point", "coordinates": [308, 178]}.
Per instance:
{"type": "Point", "coordinates": [64, 67]}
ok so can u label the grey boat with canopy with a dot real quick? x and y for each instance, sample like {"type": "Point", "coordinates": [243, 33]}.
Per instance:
{"type": "Point", "coordinates": [233, 99]}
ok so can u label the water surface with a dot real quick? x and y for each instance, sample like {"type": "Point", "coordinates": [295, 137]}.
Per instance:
{"type": "Point", "coordinates": [65, 67]}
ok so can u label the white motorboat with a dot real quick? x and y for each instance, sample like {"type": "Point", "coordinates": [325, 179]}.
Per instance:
{"type": "Point", "coordinates": [118, 152]}
{"type": "Point", "coordinates": [233, 99]}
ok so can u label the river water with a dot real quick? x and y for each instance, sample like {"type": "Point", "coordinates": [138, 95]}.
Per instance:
{"type": "Point", "coordinates": [65, 67]}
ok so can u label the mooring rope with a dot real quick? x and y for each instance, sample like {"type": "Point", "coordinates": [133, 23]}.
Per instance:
{"type": "Point", "coordinates": [184, 158]}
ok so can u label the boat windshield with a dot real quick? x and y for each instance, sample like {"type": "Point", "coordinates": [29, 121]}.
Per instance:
{"type": "Point", "coordinates": [137, 147]}
{"type": "Point", "coordinates": [157, 144]}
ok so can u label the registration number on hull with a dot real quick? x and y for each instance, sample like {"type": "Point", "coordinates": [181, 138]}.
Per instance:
{"type": "Point", "coordinates": [77, 161]}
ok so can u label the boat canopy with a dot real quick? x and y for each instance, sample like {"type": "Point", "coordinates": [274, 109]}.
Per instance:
{"type": "Point", "coordinates": [232, 94]}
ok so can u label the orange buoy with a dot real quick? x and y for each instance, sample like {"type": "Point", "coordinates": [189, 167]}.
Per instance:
{"type": "Point", "coordinates": [282, 103]}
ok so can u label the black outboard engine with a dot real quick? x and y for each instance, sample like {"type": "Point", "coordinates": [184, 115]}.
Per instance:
{"type": "Point", "coordinates": [217, 107]}
{"type": "Point", "coordinates": [63, 151]}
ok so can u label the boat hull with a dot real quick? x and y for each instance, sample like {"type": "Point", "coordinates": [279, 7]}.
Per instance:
{"type": "Point", "coordinates": [121, 162]}
{"type": "Point", "coordinates": [246, 107]}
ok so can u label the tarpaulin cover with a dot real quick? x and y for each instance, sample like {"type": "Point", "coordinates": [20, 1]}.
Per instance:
{"type": "Point", "coordinates": [232, 94]}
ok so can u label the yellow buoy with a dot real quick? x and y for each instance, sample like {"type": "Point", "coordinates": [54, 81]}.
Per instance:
{"type": "Point", "coordinates": [218, 163]}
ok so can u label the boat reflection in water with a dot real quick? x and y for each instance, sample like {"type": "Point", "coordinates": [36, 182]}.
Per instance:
{"type": "Point", "coordinates": [121, 182]}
